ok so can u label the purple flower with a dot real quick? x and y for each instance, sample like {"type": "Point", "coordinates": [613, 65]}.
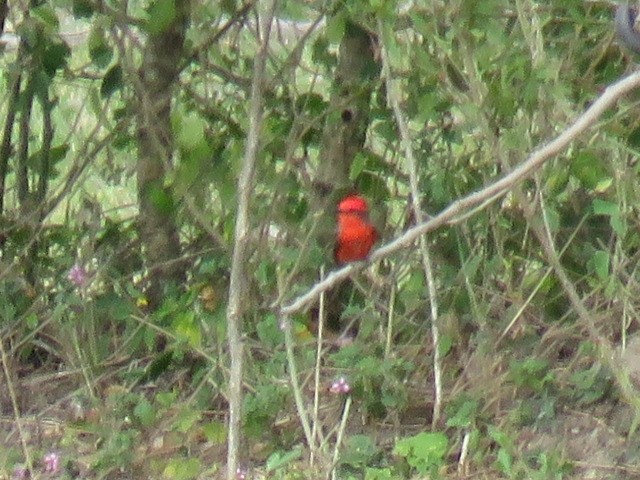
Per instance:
{"type": "Point", "coordinates": [20, 472]}
{"type": "Point", "coordinates": [340, 386]}
{"type": "Point", "coordinates": [51, 462]}
{"type": "Point", "coordinates": [78, 275]}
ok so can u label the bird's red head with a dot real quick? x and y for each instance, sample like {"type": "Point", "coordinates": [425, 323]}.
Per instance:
{"type": "Point", "coordinates": [353, 203]}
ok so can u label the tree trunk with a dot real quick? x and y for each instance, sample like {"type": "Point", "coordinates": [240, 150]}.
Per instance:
{"type": "Point", "coordinates": [343, 137]}
{"type": "Point", "coordinates": [162, 58]}
{"type": "Point", "coordinates": [345, 131]}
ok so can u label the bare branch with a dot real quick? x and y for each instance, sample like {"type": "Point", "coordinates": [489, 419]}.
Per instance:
{"type": "Point", "coordinates": [238, 281]}
{"type": "Point", "coordinates": [405, 138]}
{"type": "Point", "coordinates": [488, 194]}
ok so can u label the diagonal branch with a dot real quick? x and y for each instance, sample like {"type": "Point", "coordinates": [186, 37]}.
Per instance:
{"type": "Point", "coordinates": [482, 197]}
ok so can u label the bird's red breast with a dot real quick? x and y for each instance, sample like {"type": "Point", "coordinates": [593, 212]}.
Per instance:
{"type": "Point", "coordinates": [356, 235]}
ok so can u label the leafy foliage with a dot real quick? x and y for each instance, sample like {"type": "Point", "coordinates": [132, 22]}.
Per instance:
{"type": "Point", "coordinates": [482, 84]}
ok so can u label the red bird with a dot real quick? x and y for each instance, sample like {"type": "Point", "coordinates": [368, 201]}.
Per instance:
{"type": "Point", "coordinates": [356, 235]}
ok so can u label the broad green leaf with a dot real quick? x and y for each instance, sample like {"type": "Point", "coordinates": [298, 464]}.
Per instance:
{"type": "Point", "coordinates": [186, 328]}
{"type": "Point", "coordinates": [599, 262]}
{"type": "Point", "coordinates": [215, 432]}
{"type": "Point", "coordinates": [190, 131]}
{"type": "Point", "coordinates": [379, 474]}
{"type": "Point", "coordinates": [100, 51]}
{"type": "Point", "coordinates": [111, 82]}
{"type": "Point", "coordinates": [55, 57]}
{"type": "Point", "coordinates": [619, 225]}
{"type": "Point", "coordinates": [335, 28]}
{"type": "Point", "coordinates": [183, 469]}
{"type": "Point", "coordinates": [145, 412]}
{"type": "Point", "coordinates": [161, 15]}
{"type": "Point", "coordinates": [357, 166]}
{"type": "Point", "coordinates": [187, 418]}
{"type": "Point", "coordinates": [82, 8]}
{"type": "Point", "coordinates": [58, 152]}
{"type": "Point", "coordinates": [602, 207]}
{"type": "Point", "coordinates": [161, 199]}
{"type": "Point", "coordinates": [589, 169]}
{"type": "Point", "coordinates": [269, 332]}
{"type": "Point", "coordinates": [424, 451]}
{"type": "Point", "coordinates": [358, 450]}
{"type": "Point", "coordinates": [280, 459]}
{"type": "Point", "coordinates": [505, 461]}
{"type": "Point", "coordinates": [32, 321]}
{"type": "Point", "coordinates": [465, 416]}
{"type": "Point", "coordinates": [166, 399]}
{"type": "Point", "coordinates": [47, 15]}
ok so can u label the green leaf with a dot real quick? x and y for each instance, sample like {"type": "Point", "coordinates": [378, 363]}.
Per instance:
{"type": "Point", "coordinates": [111, 82]}
{"type": "Point", "coordinates": [465, 416]}
{"type": "Point", "coordinates": [161, 200]}
{"type": "Point", "coordinates": [58, 153]}
{"type": "Point", "coordinates": [589, 169]}
{"type": "Point", "coordinates": [190, 131]}
{"type": "Point", "coordinates": [183, 469]}
{"type": "Point", "coordinates": [619, 225]}
{"type": "Point", "coordinates": [100, 51]}
{"type": "Point", "coordinates": [531, 372]}
{"type": "Point", "coordinates": [32, 321]}
{"type": "Point", "coordinates": [602, 207]}
{"type": "Point", "coordinates": [187, 329]}
{"type": "Point", "coordinates": [413, 292]}
{"type": "Point", "coordinates": [505, 461]}
{"type": "Point", "coordinates": [55, 57]}
{"type": "Point", "coordinates": [358, 451]}
{"type": "Point", "coordinates": [166, 399]}
{"type": "Point", "coordinates": [82, 8]}
{"type": "Point", "coordinates": [278, 460]}
{"type": "Point", "coordinates": [187, 418]}
{"type": "Point", "coordinates": [269, 332]}
{"type": "Point", "coordinates": [599, 262]}
{"type": "Point", "coordinates": [161, 15]}
{"type": "Point", "coordinates": [335, 28]}
{"type": "Point", "coordinates": [357, 166]}
{"type": "Point", "coordinates": [215, 432]}
{"type": "Point", "coordinates": [446, 342]}
{"type": "Point", "coordinates": [145, 412]}
{"type": "Point", "coordinates": [379, 474]}
{"type": "Point", "coordinates": [47, 15]}
{"type": "Point", "coordinates": [424, 451]}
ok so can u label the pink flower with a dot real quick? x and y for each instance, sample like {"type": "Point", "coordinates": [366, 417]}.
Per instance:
{"type": "Point", "coordinates": [51, 462]}
{"type": "Point", "coordinates": [241, 473]}
{"type": "Point", "coordinates": [340, 386]}
{"type": "Point", "coordinates": [19, 473]}
{"type": "Point", "coordinates": [78, 275]}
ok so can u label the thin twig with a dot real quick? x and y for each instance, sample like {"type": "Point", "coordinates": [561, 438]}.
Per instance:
{"type": "Point", "coordinates": [303, 415]}
{"type": "Point", "coordinates": [16, 408]}
{"type": "Point", "coordinates": [405, 140]}
{"type": "Point", "coordinates": [390, 316]}
{"type": "Point", "coordinates": [340, 435]}
{"type": "Point", "coordinates": [316, 377]}
{"type": "Point", "coordinates": [238, 278]}
{"type": "Point", "coordinates": [464, 452]}
{"type": "Point", "coordinates": [492, 191]}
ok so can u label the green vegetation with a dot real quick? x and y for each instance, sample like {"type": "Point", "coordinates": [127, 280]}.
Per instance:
{"type": "Point", "coordinates": [124, 129]}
